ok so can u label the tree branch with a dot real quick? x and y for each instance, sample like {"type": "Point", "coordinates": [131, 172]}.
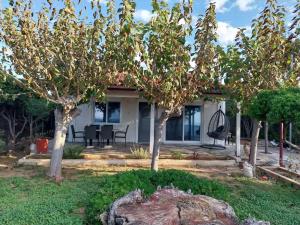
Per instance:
{"type": "Point", "coordinates": [9, 121]}
{"type": "Point", "coordinates": [23, 127]}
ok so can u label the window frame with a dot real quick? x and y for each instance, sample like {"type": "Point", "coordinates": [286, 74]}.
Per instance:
{"type": "Point", "coordinates": [106, 113]}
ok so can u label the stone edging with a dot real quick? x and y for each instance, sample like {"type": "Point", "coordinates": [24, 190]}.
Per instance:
{"type": "Point", "coordinates": [84, 163]}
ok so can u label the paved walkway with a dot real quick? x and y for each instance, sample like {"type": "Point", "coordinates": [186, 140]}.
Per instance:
{"type": "Point", "coordinates": [291, 157]}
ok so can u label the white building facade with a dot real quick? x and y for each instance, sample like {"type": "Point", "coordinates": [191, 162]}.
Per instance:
{"type": "Point", "coordinates": [125, 107]}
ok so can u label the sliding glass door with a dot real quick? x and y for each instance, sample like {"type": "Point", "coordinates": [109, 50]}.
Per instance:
{"type": "Point", "coordinates": [174, 129]}
{"type": "Point", "coordinates": [192, 118]}
{"type": "Point", "coordinates": [185, 127]}
{"type": "Point", "coordinates": [144, 122]}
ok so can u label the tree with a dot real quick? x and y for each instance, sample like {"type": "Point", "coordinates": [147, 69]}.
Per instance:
{"type": "Point", "coordinates": [19, 108]}
{"type": "Point", "coordinates": [12, 111]}
{"type": "Point", "coordinates": [285, 109]}
{"type": "Point", "coordinates": [62, 54]}
{"type": "Point", "coordinates": [163, 72]}
{"type": "Point", "coordinates": [265, 60]}
{"type": "Point", "coordinates": [277, 106]}
{"type": "Point", "coordinates": [284, 105]}
{"type": "Point", "coordinates": [36, 109]}
{"type": "Point", "coordinates": [259, 108]}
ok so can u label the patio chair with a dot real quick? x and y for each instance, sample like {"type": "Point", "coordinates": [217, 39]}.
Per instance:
{"type": "Point", "coordinates": [121, 134]}
{"type": "Point", "coordinates": [106, 133]}
{"type": "Point", "coordinates": [90, 134]}
{"type": "Point", "coordinates": [76, 134]}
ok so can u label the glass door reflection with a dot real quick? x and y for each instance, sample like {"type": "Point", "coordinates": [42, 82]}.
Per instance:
{"type": "Point", "coordinates": [192, 120]}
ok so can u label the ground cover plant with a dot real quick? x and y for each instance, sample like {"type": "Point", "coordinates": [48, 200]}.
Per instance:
{"type": "Point", "coordinates": [72, 151]}
{"type": "Point", "coordinates": [114, 187]}
{"type": "Point", "coordinates": [37, 200]}
{"type": "Point", "coordinates": [276, 203]}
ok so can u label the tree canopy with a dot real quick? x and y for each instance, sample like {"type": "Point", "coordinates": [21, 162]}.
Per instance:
{"type": "Point", "coordinates": [266, 60]}
{"type": "Point", "coordinates": [284, 105]}
{"type": "Point", "coordinates": [163, 69]}
{"type": "Point", "coordinates": [65, 55]}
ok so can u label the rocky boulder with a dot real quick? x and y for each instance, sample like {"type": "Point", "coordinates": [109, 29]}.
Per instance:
{"type": "Point", "coordinates": [170, 207]}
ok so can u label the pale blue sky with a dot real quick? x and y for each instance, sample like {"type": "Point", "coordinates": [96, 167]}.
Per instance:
{"type": "Point", "coordinates": [231, 14]}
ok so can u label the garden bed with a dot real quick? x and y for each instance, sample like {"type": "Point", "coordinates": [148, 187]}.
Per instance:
{"type": "Point", "coordinates": [182, 156]}
{"type": "Point", "coordinates": [282, 174]}
{"type": "Point", "coordinates": [139, 163]}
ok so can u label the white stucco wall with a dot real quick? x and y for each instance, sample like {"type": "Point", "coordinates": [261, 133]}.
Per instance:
{"type": "Point", "coordinates": [85, 118]}
{"type": "Point", "coordinates": [208, 109]}
{"type": "Point", "coordinates": [129, 115]}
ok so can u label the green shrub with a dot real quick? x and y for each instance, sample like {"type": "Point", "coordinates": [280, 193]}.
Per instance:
{"type": "Point", "coordinates": [73, 151]}
{"type": "Point", "coordinates": [114, 187]}
{"type": "Point", "coordinates": [138, 152]}
{"type": "Point", "coordinates": [177, 155]}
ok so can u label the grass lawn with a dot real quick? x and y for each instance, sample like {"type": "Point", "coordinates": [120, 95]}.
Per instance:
{"type": "Point", "coordinates": [37, 200]}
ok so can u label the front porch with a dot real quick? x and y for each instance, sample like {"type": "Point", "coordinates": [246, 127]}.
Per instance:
{"type": "Point", "coordinates": [119, 157]}
{"type": "Point", "coordinates": [125, 108]}
{"type": "Point", "coordinates": [189, 152]}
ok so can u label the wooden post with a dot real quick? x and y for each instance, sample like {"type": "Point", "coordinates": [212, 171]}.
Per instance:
{"type": "Point", "coordinates": [281, 145]}
{"type": "Point", "coordinates": [290, 133]}
{"type": "Point", "coordinates": [70, 135]}
{"type": "Point", "coordinates": [152, 120]}
{"type": "Point", "coordinates": [266, 137]}
{"type": "Point", "coordinates": [238, 132]}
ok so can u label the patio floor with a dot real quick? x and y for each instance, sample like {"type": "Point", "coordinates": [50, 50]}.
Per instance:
{"type": "Point", "coordinates": [120, 151]}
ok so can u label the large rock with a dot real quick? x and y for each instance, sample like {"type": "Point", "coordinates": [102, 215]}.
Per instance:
{"type": "Point", "coordinates": [169, 207]}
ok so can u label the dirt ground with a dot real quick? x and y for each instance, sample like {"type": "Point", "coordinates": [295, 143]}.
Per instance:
{"type": "Point", "coordinates": [9, 168]}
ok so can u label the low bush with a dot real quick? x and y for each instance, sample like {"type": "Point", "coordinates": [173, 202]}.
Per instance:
{"type": "Point", "coordinates": [114, 187]}
{"type": "Point", "coordinates": [177, 155]}
{"type": "Point", "coordinates": [73, 151]}
{"type": "Point", "coordinates": [138, 152]}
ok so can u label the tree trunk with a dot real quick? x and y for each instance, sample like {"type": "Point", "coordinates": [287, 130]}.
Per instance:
{"type": "Point", "coordinates": [158, 130]}
{"type": "Point", "coordinates": [290, 134]}
{"type": "Point", "coordinates": [254, 141]}
{"type": "Point", "coordinates": [63, 118]}
{"type": "Point", "coordinates": [31, 129]}
{"type": "Point", "coordinates": [266, 137]}
{"type": "Point", "coordinates": [58, 145]}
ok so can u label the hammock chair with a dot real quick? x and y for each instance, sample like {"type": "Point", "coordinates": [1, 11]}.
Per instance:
{"type": "Point", "coordinates": [218, 129]}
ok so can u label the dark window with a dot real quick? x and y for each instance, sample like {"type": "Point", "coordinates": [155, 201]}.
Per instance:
{"type": "Point", "coordinates": [100, 112]}
{"type": "Point", "coordinates": [144, 122]}
{"type": "Point", "coordinates": [113, 114]}
{"type": "Point", "coordinates": [107, 112]}
{"type": "Point", "coordinates": [185, 127]}
{"type": "Point", "coordinates": [174, 129]}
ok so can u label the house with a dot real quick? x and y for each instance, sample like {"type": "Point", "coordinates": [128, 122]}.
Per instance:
{"type": "Point", "coordinates": [124, 106]}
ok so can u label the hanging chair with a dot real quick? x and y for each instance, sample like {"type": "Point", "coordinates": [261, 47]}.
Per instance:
{"type": "Point", "coordinates": [218, 129]}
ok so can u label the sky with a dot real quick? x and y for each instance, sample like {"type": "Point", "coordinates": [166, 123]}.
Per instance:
{"type": "Point", "coordinates": [231, 14]}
